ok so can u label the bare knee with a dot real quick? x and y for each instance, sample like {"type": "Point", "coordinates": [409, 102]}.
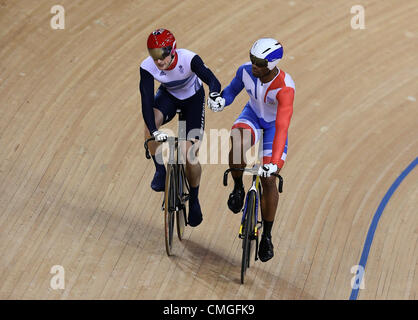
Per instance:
{"type": "Point", "coordinates": [192, 152]}
{"type": "Point", "coordinates": [241, 142]}
{"type": "Point", "coordinates": [158, 117]}
{"type": "Point", "coordinates": [269, 184]}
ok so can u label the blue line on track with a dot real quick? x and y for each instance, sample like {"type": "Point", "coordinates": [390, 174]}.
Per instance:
{"type": "Point", "coordinates": [376, 217]}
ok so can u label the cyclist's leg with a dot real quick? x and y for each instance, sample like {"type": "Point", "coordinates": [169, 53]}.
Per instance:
{"type": "Point", "coordinates": [270, 197]}
{"type": "Point", "coordinates": [194, 116]}
{"type": "Point", "coordinates": [164, 111]}
{"type": "Point", "coordinates": [244, 134]}
{"type": "Point", "coordinates": [269, 203]}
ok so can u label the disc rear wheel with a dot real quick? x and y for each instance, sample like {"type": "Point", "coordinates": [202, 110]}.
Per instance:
{"type": "Point", "coordinates": [181, 214]}
{"type": "Point", "coordinates": [181, 222]}
{"type": "Point", "coordinates": [170, 208]}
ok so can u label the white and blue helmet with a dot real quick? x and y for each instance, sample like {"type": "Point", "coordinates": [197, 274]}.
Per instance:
{"type": "Point", "coordinates": [266, 50]}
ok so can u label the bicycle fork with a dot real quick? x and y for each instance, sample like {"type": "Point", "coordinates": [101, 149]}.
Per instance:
{"type": "Point", "coordinates": [182, 195]}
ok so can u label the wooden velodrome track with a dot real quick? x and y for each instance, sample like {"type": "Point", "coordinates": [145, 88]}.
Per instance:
{"type": "Point", "coordinates": [74, 181]}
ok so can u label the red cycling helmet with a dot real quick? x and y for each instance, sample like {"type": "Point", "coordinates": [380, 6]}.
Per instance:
{"type": "Point", "coordinates": [161, 43]}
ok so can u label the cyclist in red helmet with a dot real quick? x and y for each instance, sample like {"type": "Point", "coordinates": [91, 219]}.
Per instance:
{"type": "Point", "coordinates": [180, 73]}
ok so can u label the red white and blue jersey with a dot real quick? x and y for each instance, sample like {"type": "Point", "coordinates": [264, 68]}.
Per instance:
{"type": "Point", "coordinates": [271, 102]}
{"type": "Point", "coordinates": [180, 81]}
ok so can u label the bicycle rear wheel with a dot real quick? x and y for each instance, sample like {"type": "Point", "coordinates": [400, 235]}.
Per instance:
{"type": "Point", "coordinates": [248, 227]}
{"type": "Point", "coordinates": [181, 214]}
{"type": "Point", "coordinates": [170, 207]}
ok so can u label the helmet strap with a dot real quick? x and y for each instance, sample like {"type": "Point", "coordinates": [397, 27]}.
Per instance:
{"type": "Point", "coordinates": [173, 57]}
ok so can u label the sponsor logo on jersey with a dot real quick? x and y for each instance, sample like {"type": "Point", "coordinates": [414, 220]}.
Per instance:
{"type": "Point", "coordinates": [270, 101]}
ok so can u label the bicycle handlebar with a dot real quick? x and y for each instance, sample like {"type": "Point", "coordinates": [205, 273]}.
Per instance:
{"type": "Point", "coordinates": [254, 172]}
{"type": "Point", "coordinates": [225, 180]}
{"type": "Point", "coordinates": [147, 154]}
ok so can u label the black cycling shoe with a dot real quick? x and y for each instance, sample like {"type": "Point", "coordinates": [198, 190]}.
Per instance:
{"type": "Point", "coordinates": [265, 251]}
{"type": "Point", "coordinates": [158, 182]}
{"type": "Point", "coordinates": [236, 199]}
{"type": "Point", "coordinates": [195, 213]}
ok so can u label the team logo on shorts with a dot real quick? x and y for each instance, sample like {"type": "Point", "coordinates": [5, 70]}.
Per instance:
{"type": "Point", "coordinates": [181, 69]}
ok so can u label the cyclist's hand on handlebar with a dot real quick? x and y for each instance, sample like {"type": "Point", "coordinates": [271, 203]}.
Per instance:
{"type": "Point", "coordinates": [215, 102]}
{"type": "Point", "coordinates": [267, 169]}
{"type": "Point", "coordinates": [160, 136]}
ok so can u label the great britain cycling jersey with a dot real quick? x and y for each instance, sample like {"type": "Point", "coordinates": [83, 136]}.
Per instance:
{"type": "Point", "coordinates": [270, 108]}
{"type": "Point", "coordinates": [182, 80]}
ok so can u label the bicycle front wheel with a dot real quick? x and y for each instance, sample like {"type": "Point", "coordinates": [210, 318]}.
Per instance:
{"type": "Point", "coordinates": [170, 207]}
{"type": "Point", "coordinates": [247, 229]}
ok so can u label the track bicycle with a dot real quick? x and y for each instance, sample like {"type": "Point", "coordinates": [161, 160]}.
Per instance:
{"type": "Point", "coordinates": [176, 192]}
{"type": "Point", "coordinates": [250, 225]}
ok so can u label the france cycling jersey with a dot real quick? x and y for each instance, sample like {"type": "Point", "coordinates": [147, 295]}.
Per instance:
{"type": "Point", "coordinates": [270, 108]}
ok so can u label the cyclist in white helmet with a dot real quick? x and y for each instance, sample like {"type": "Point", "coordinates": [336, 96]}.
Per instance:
{"type": "Point", "coordinates": [267, 114]}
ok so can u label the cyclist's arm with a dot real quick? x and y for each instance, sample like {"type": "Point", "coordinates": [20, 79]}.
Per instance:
{"type": "Point", "coordinates": [205, 74]}
{"type": "Point", "coordinates": [285, 99]}
{"type": "Point", "coordinates": [146, 87]}
{"type": "Point", "coordinates": [234, 88]}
